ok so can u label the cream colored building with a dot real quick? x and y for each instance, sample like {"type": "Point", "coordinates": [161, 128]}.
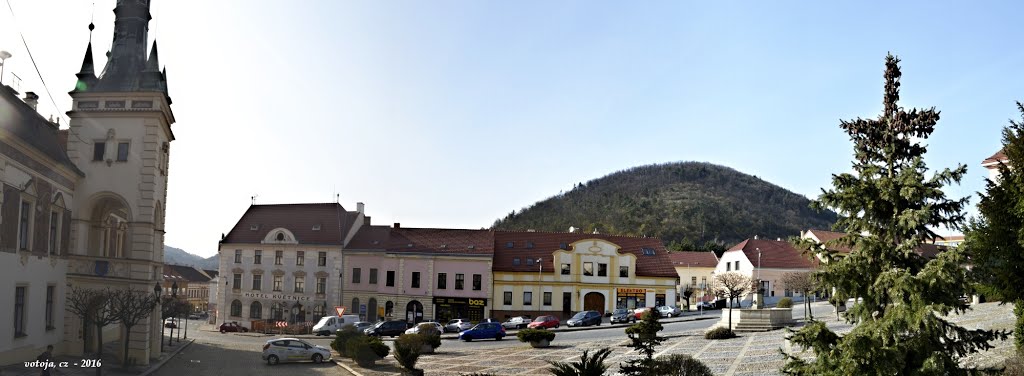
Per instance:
{"type": "Point", "coordinates": [84, 206]}
{"type": "Point", "coordinates": [538, 273]}
{"type": "Point", "coordinates": [696, 270]}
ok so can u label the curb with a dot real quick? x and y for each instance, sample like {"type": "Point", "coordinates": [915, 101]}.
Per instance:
{"type": "Point", "coordinates": [346, 367]}
{"type": "Point", "coordinates": [171, 355]}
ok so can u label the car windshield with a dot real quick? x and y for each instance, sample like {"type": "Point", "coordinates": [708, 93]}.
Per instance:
{"type": "Point", "coordinates": [620, 311]}
{"type": "Point", "coordinates": [453, 322]}
{"type": "Point", "coordinates": [580, 315]}
{"type": "Point", "coordinates": [540, 319]}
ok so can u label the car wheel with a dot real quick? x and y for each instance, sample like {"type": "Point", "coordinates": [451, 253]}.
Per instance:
{"type": "Point", "coordinates": [497, 337]}
{"type": "Point", "coordinates": [272, 360]}
{"type": "Point", "coordinates": [467, 338]}
{"type": "Point", "coordinates": [222, 331]}
{"type": "Point", "coordinates": [317, 358]}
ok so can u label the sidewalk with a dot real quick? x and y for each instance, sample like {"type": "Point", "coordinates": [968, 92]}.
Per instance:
{"type": "Point", "coordinates": [73, 365]}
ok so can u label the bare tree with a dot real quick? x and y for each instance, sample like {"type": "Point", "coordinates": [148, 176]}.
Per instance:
{"type": "Point", "coordinates": [805, 284]}
{"type": "Point", "coordinates": [94, 307]}
{"type": "Point", "coordinates": [131, 306]}
{"type": "Point", "coordinates": [732, 285]}
{"type": "Point", "coordinates": [687, 293]}
{"type": "Point", "coordinates": [169, 307]}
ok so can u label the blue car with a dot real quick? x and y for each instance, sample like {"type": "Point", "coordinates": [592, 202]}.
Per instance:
{"type": "Point", "coordinates": [483, 330]}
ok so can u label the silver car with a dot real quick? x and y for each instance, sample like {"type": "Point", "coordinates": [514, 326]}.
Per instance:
{"type": "Point", "coordinates": [293, 350]}
{"type": "Point", "coordinates": [669, 311]}
{"type": "Point", "coordinates": [458, 325]}
{"type": "Point", "coordinates": [416, 329]}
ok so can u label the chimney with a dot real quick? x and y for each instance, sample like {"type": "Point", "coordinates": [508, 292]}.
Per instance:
{"type": "Point", "coordinates": [755, 237]}
{"type": "Point", "coordinates": [398, 225]}
{"type": "Point", "coordinates": [359, 207]}
{"type": "Point", "coordinates": [31, 99]}
{"type": "Point", "coordinates": [778, 239]}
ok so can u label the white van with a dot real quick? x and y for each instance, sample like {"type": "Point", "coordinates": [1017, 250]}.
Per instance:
{"type": "Point", "coordinates": [329, 324]}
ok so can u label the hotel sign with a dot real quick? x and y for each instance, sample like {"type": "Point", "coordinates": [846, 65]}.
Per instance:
{"type": "Point", "coordinates": [297, 298]}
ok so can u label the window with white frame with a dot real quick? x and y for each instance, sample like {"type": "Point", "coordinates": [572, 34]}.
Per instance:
{"type": "Point", "coordinates": [54, 245]}
{"type": "Point", "coordinates": [25, 225]}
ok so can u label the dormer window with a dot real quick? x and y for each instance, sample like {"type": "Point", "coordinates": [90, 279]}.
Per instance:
{"type": "Point", "coordinates": [648, 251]}
{"type": "Point", "coordinates": [280, 237]}
{"type": "Point", "coordinates": [529, 245]}
{"type": "Point", "coordinates": [529, 261]}
{"type": "Point", "coordinates": [564, 246]}
{"type": "Point", "coordinates": [254, 227]}
{"type": "Point", "coordinates": [510, 245]}
{"type": "Point", "coordinates": [316, 227]}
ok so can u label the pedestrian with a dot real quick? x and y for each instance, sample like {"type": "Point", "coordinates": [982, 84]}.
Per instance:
{"type": "Point", "coordinates": [45, 359]}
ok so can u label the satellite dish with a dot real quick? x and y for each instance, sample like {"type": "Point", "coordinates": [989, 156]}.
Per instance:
{"type": "Point", "coordinates": [4, 55]}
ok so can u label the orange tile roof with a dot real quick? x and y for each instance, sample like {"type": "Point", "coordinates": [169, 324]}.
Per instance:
{"type": "Point", "coordinates": [704, 259]}
{"type": "Point", "coordinates": [775, 254]}
{"type": "Point", "coordinates": [546, 243]}
{"type": "Point", "coordinates": [999, 156]}
{"type": "Point", "coordinates": [300, 219]}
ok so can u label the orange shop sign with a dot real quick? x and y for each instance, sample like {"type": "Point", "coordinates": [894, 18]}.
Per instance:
{"type": "Point", "coordinates": [625, 291]}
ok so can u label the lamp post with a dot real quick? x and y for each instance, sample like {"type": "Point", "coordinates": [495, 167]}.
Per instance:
{"type": "Point", "coordinates": [4, 55]}
{"type": "Point", "coordinates": [760, 284]}
{"type": "Point", "coordinates": [156, 291]}
{"type": "Point", "coordinates": [174, 297]}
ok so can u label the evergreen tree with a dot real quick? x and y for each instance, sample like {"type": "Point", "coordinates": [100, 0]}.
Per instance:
{"type": "Point", "coordinates": [995, 242]}
{"type": "Point", "coordinates": [889, 207]}
{"type": "Point", "coordinates": [644, 338]}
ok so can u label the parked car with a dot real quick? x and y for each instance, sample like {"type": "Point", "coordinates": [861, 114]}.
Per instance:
{"type": "Point", "coordinates": [544, 322]}
{"type": "Point", "coordinates": [232, 327]}
{"type": "Point", "coordinates": [361, 326]}
{"type": "Point", "coordinates": [484, 330]}
{"type": "Point", "coordinates": [195, 316]}
{"type": "Point", "coordinates": [585, 318]}
{"type": "Point", "coordinates": [706, 305]}
{"type": "Point", "coordinates": [171, 323]}
{"type": "Point", "coordinates": [387, 328]}
{"type": "Point", "coordinates": [622, 315]}
{"type": "Point", "coordinates": [292, 350]}
{"type": "Point", "coordinates": [517, 322]}
{"type": "Point", "coordinates": [330, 324]}
{"type": "Point", "coordinates": [458, 325]}
{"type": "Point", "coordinates": [669, 311]}
{"type": "Point", "coordinates": [639, 312]}
{"type": "Point", "coordinates": [416, 328]}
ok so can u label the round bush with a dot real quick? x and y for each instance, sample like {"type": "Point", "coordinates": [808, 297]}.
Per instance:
{"type": "Point", "coordinates": [535, 335]}
{"type": "Point", "coordinates": [342, 338]}
{"type": "Point", "coordinates": [680, 365]}
{"type": "Point", "coordinates": [785, 303]}
{"type": "Point", "coordinates": [366, 350]}
{"type": "Point", "coordinates": [719, 333]}
{"type": "Point", "coordinates": [407, 350]}
{"type": "Point", "coordinates": [430, 335]}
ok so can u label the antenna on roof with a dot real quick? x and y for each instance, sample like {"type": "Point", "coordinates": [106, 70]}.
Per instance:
{"type": "Point", "coordinates": [254, 199]}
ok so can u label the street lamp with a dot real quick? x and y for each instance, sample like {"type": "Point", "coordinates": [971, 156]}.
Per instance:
{"type": "Point", "coordinates": [4, 55]}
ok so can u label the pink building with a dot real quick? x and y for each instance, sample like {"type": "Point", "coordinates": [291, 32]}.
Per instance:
{"type": "Point", "coordinates": [418, 274]}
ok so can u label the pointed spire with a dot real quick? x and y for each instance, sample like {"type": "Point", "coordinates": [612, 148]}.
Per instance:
{"type": "Point", "coordinates": [87, 65]}
{"type": "Point", "coordinates": [153, 64]}
{"type": "Point", "coordinates": [87, 75]}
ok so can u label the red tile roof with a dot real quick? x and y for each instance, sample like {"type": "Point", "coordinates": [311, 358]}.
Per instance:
{"type": "Point", "coordinates": [705, 259]}
{"type": "Point", "coordinates": [300, 219]}
{"type": "Point", "coordinates": [441, 241]}
{"type": "Point", "coordinates": [775, 254]}
{"type": "Point", "coordinates": [928, 250]}
{"type": "Point", "coordinates": [189, 273]}
{"type": "Point", "coordinates": [824, 237]}
{"type": "Point", "coordinates": [546, 243]}
{"type": "Point", "coordinates": [999, 156]}
{"type": "Point", "coordinates": [370, 238]}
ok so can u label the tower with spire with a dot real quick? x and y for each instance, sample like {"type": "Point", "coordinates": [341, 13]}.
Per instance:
{"type": "Point", "coordinates": [119, 136]}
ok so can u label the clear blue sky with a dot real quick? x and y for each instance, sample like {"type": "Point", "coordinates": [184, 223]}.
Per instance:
{"type": "Point", "coordinates": [454, 113]}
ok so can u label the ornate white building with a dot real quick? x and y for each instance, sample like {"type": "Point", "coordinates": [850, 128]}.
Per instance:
{"type": "Point", "coordinates": [84, 206]}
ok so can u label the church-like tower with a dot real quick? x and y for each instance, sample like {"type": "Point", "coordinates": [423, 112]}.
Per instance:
{"type": "Point", "coordinates": [119, 136]}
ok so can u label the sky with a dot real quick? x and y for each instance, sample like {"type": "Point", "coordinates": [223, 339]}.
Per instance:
{"type": "Point", "coordinates": [454, 113]}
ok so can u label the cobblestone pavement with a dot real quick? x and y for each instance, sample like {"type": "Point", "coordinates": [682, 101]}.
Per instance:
{"type": "Point", "coordinates": [206, 358]}
{"type": "Point", "coordinates": [750, 354]}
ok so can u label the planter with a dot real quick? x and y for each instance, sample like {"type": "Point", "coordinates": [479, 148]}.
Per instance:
{"type": "Point", "coordinates": [541, 343]}
{"type": "Point", "coordinates": [426, 349]}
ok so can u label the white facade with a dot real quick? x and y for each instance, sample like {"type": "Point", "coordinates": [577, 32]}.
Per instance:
{"type": "Point", "coordinates": [295, 305]}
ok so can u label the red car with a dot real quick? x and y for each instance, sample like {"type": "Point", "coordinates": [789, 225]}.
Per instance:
{"type": "Point", "coordinates": [232, 327]}
{"type": "Point", "coordinates": [640, 312]}
{"type": "Point", "coordinates": [544, 322]}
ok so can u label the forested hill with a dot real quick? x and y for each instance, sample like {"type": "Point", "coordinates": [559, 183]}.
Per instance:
{"type": "Point", "coordinates": [687, 204]}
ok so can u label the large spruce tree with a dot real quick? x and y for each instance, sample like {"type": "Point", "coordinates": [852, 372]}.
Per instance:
{"type": "Point", "coordinates": [889, 206]}
{"type": "Point", "coordinates": [995, 241]}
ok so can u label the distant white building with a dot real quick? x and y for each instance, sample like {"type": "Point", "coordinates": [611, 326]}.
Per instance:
{"type": "Point", "coordinates": [992, 164]}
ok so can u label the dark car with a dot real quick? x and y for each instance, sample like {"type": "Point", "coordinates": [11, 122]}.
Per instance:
{"type": "Point", "coordinates": [585, 318]}
{"type": "Point", "coordinates": [544, 322]}
{"type": "Point", "coordinates": [232, 327]}
{"type": "Point", "coordinates": [622, 315]}
{"type": "Point", "coordinates": [171, 323]}
{"type": "Point", "coordinates": [484, 330]}
{"type": "Point", "coordinates": [387, 328]}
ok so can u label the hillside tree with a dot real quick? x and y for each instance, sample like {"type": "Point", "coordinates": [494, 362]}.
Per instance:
{"type": "Point", "coordinates": [995, 240]}
{"type": "Point", "coordinates": [889, 207]}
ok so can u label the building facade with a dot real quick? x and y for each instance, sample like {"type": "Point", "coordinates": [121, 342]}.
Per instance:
{"type": "Point", "coordinates": [418, 274]}
{"type": "Point", "coordinates": [539, 273]}
{"type": "Point", "coordinates": [696, 272]}
{"type": "Point", "coordinates": [83, 207]}
{"type": "Point", "coordinates": [283, 262]}
{"type": "Point", "coordinates": [767, 261]}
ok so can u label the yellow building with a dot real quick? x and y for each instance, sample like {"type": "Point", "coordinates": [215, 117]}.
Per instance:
{"type": "Point", "coordinates": [696, 270]}
{"type": "Point", "coordinates": [559, 274]}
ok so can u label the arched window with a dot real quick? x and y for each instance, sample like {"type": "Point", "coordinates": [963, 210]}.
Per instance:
{"type": "Point", "coordinates": [255, 310]}
{"type": "Point", "coordinates": [389, 308]}
{"type": "Point", "coordinates": [277, 311]}
{"type": "Point", "coordinates": [236, 308]}
{"type": "Point", "coordinates": [108, 235]}
{"type": "Point", "coordinates": [280, 236]}
{"type": "Point", "coordinates": [355, 308]}
{"type": "Point", "coordinates": [414, 311]}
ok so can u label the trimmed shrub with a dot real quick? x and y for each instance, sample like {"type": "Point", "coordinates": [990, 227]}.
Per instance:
{"type": "Point", "coordinates": [430, 335]}
{"type": "Point", "coordinates": [680, 365]}
{"type": "Point", "coordinates": [345, 334]}
{"type": "Point", "coordinates": [366, 350]}
{"type": "Point", "coordinates": [785, 303]}
{"type": "Point", "coordinates": [407, 351]}
{"type": "Point", "coordinates": [719, 333]}
{"type": "Point", "coordinates": [535, 335]}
